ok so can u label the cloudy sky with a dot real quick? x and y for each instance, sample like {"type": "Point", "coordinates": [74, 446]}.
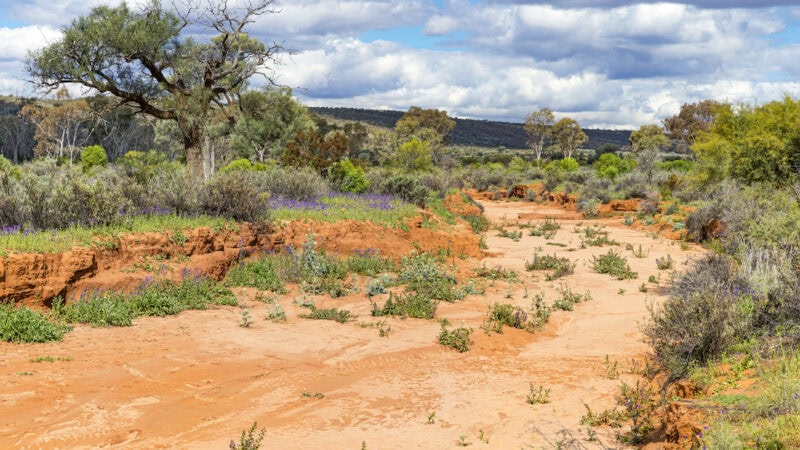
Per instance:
{"type": "Point", "coordinates": [607, 63]}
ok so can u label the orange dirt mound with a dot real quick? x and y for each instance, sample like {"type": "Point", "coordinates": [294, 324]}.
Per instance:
{"type": "Point", "coordinates": [455, 204]}
{"type": "Point", "coordinates": [613, 206]}
{"type": "Point", "coordinates": [35, 279]}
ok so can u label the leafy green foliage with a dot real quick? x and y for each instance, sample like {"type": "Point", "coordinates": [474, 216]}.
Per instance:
{"type": "Point", "coordinates": [611, 166]}
{"type": "Point", "coordinates": [415, 305]}
{"type": "Point", "coordinates": [153, 298]}
{"type": "Point", "coordinates": [20, 325]}
{"type": "Point", "coordinates": [93, 156]}
{"type": "Point", "coordinates": [614, 264]}
{"type": "Point", "coordinates": [457, 338]}
{"type": "Point", "coordinates": [260, 274]}
{"type": "Point", "coordinates": [337, 315]}
{"type": "Point", "coordinates": [347, 177]}
{"type": "Point", "coordinates": [560, 266]}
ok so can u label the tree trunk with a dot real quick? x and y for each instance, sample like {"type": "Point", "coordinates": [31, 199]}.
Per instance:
{"type": "Point", "coordinates": [195, 161]}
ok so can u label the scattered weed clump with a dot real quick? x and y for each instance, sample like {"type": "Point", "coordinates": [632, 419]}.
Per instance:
{"type": "Point", "coordinates": [496, 273]}
{"type": "Point", "coordinates": [508, 315]}
{"type": "Point", "coordinates": [665, 263]}
{"type": "Point", "coordinates": [457, 338]}
{"type": "Point", "coordinates": [560, 266]}
{"type": "Point", "coordinates": [613, 264]}
{"type": "Point", "coordinates": [569, 298]}
{"type": "Point", "coordinates": [337, 315]}
{"type": "Point", "coordinates": [410, 304]}
{"type": "Point", "coordinates": [250, 439]}
{"type": "Point", "coordinates": [536, 396]}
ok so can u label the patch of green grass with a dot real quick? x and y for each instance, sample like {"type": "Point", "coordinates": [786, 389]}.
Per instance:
{"type": "Point", "coordinates": [260, 274]}
{"type": "Point", "coordinates": [410, 304]}
{"type": "Point", "coordinates": [23, 325]}
{"type": "Point", "coordinates": [153, 298]}
{"type": "Point", "coordinates": [369, 264]}
{"type": "Point", "coordinates": [508, 315]}
{"type": "Point", "coordinates": [613, 264]}
{"type": "Point", "coordinates": [360, 209]}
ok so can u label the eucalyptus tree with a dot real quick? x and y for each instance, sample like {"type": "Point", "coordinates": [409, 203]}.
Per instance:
{"type": "Point", "coordinates": [149, 61]}
{"type": "Point", "coordinates": [539, 127]}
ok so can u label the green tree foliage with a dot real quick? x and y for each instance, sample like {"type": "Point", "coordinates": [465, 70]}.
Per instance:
{"type": "Point", "coordinates": [429, 125]}
{"type": "Point", "coordinates": [347, 177]}
{"type": "Point", "coordinates": [647, 142]}
{"type": "Point", "coordinates": [610, 166]}
{"type": "Point", "coordinates": [93, 156]}
{"type": "Point", "coordinates": [237, 164]}
{"type": "Point", "coordinates": [539, 128]}
{"type": "Point", "coordinates": [569, 136]}
{"type": "Point", "coordinates": [311, 149]}
{"type": "Point", "coordinates": [269, 119]}
{"type": "Point", "coordinates": [415, 155]}
{"type": "Point", "coordinates": [562, 165]}
{"type": "Point", "coordinates": [141, 165]}
{"type": "Point", "coordinates": [147, 60]}
{"type": "Point", "coordinates": [751, 144]}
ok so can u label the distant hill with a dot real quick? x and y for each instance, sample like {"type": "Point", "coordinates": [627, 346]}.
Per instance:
{"type": "Point", "coordinates": [479, 133]}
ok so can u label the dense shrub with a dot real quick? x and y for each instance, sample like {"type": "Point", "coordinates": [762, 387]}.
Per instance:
{"type": "Point", "coordinates": [171, 188]}
{"type": "Point", "coordinates": [406, 187]}
{"type": "Point", "coordinates": [610, 166]}
{"type": "Point", "coordinates": [295, 184]}
{"type": "Point", "coordinates": [93, 156]}
{"type": "Point", "coordinates": [235, 195]}
{"type": "Point", "coordinates": [141, 165]}
{"type": "Point", "coordinates": [708, 311]}
{"type": "Point", "coordinates": [237, 164]}
{"type": "Point", "coordinates": [346, 177]}
{"type": "Point", "coordinates": [26, 325]}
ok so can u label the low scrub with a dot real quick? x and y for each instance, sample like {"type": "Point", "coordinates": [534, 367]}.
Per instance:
{"type": "Point", "coordinates": [412, 304]}
{"type": "Point", "coordinates": [560, 266]}
{"type": "Point", "coordinates": [337, 315]}
{"type": "Point", "coordinates": [152, 298]}
{"type": "Point", "coordinates": [24, 325]}
{"type": "Point", "coordinates": [457, 338]}
{"type": "Point", "coordinates": [613, 264]}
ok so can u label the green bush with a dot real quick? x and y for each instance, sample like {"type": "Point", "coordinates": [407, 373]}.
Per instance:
{"type": "Point", "coordinates": [292, 183]}
{"type": "Point", "coordinates": [509, 315]}
{"type": "Point", "coordinates": [407, 188]}
{"type": "Point", "coordinates": [414, 155]}
{"type": "Point", "coordinates": [337, 315]}
{"type": "Point", "coordinates": [93, 156]}
{"type": "Point", "coordinates": [346, 177]}
{"type": "Point", "coordinates": [260, 274]}
{"type": "Point", "coordinates": [457, 339]}
{"type": "Point", "coordinates": [237, 164]}
{"type": "Point", "coordinates": [141, 165]}
{"type": "Point", "coordinates": [19, 325]}
{"type": "Point", "coordinates": [235, 195]}
{"type": "Point", "coordinates": [415, 305]}
{"type": "Point", "coordinates": [613, 264]}
{"type": "Point", "coordinates": [708, 311]}
{"type": "Point", "coordinates": [610, 166]}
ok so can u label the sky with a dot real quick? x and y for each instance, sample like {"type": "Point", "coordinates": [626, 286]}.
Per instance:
{"type": "Point", "coordinates": [605, 63]}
